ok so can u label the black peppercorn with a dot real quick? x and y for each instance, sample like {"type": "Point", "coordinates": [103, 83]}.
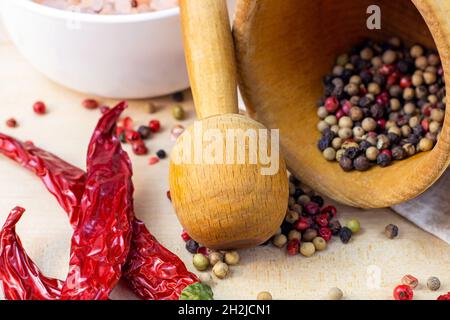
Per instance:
{"type": "Point", "coordinates": [318, 199]}
{"type": "Point", "coordinates": [413, 139]}
{"type": "Point", "coordinates": [364, 145]}
{"type": "Point", "coordinates": [178, 96]}
{"type": "Point", "coordinates": [384, 160]}
{"type": "Point", "coordinates": [335, 227]}
{"type": "Point", "coordinates": [345, 234]}
{"type": "Point", "coordinates": [192, 246]}
{"type": "Point", "coordinates": [418, 130]}
{"type": "Point", "coordinates": [298, 192]}
{"type": "Point", "coordinates": [398, 153]}
{"type": "Point", "coordinates": [325, 141]}
{"type": "Point", "coordinates": [365, 102]}
{"type": "Point", "coordinates": [391, 231]}
{"type": "Point", "coordinates": [361, 163]}
{"type": "Point", "coordinates": [161, 154]}
{"type": "Point", "coordinates": [294, 180]}
{"type": "Point", "coordinates": [379, 79]}
{"type": "Point", "coordinates": [351, 153]}
{"type": "Point", "coordinates": [286, 227]}
{"type": "Point", "coordinates": [346, 163]}
{"type": "Point", "coordinates": [377, 111]}
{"type": "Point", "coordinates": [365, 76]}
{"type": "Point", "coordinates": [144, 132]}
{"type": "Point", "coordinates": [393, 138]}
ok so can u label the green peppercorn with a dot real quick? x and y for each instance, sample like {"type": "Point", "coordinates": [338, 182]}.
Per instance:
{"type": "Point", "coordinates": [309, 235]}
{"type": "Point", "coordinates": [304, 199]}
{"type": "Point", "coordinates": [231, 258]}
{"type": "Point", "coordinates": [391, 231]}
{"type": "Point", "coordinates": [279, 240]}
{"type": "Point", "coordinates": [319, 243]}
{"type": "Point", "coordinates": [433, 283]}
{"type": "Point", "coordinates": [354, 225]}
{"type": "Point", "coordinates": [201, 262]}
{"type": "Point", "coordinates": [178, 112]}
{"type": "Point", "coordinates": [307, 249]}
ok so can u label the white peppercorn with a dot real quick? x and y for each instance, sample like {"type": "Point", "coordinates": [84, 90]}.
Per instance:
{"type": "Point", "coordinates": [416, 51]}
{"type": "Point", "coordinates": [335, 129]}
{"type": "Point", "coordinates": [389, 56]}
{"type": "Point", "coordinates": [372, 153]}
{"type": "Point", "coordinates": [322, 112]}
{"type": "Point", "coordinates": [264, 296]}
{"type": "Point", "coordinates": [336, 144]}
{"type": "Point", "coordinates": [335, 294]}
{"type": "Point", "coordinates": [369, 124]}
{"type": "Point", "coordinates": [215, 257]}
{"type": "Point", "coordinates": [331, 120]}
{"type": "Point", "coordinates": [322, 126]}
{"type": "Point", "coordinates": [421, 62]}
{"type": "Point", "coordinates": [433, 283]}
{"type": "Point", "coordinates": [358, 132]}
{"type": "Point", "coordinates": [231, 258]}
{"type": "Point", "coordinates": [345, 133]}
{"type": "Point", "coordinates": [437, 115]}
{"type": "Point", "coordinates": [425, 144]}
{"type": "Point", "coordinates": [345, 122]}
{"type": "Point", "coordinates": [329, 154]}
{"type": "Point", "coordinates": [434, 127]}
{"type": "Point", "coordinates": [307, 249]}
{"type": "Point", "coordinates": [221, 270]}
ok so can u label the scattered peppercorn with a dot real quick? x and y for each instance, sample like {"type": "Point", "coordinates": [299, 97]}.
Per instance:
{"type": "Point", "coordinates": [178, 112]}
{"type": "Point", "coordinates": [139, 148]}
{"type": "Point", "coordinates": [433, 283]}
{"type": "Point", "coordinates": [264, 296]}
{"type": "Point", "coordinates": [220, 270]}
{"type": "Point", "coordinates": [411, 281]}
{"type": "Point", "coordinates": [391, 231]}
{"type": "Point", "coordinates": [90, 104]}
{"type": "Point", "coordinates": [307, 249]}
{"type": "Point", "coordinates": [200, 261]}
{"type": "Point", "coordinates": [345, 234]}
{"type": "Point", "coordinates": [319, 243]}
{"type": "Point", "coordinates": [11, 123]}
{"type": "Point", "coordinates": [403, 292]}
{"type": "Point", "coordinates": [335, 294]}
{"type": "Point", "coordinates": [153, 160]}
{"type": "Point", "coordinates": [231, 258]}
{"type": "Point", "coordinates": [215, 257]}
{"type": "Point", "coordinates": [39, 107]}
{"type": "Point", "coordinates": [144, 132]}
{"type": "Point", "coordinates": [161, 154]}
{"type": "Point", "coordinates": [154, 125]}
{"type": "Point", "coordinates": [192, 246]}
{"type": "Point", "coordinates": [178, 96]}
{"type": "Point", "coordinates": [354, 225]}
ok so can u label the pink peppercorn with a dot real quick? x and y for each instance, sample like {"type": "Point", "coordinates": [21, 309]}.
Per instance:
{"type": "Point", "coordinates": [330, 210]}
{"type": "Point", "coordinates": [386, 69]}
{"type": "Point", "coordinates": [11, 123]}
{"type": "Point", "coordinates": [132, 136]}
{"type": "Point", "coordinates": [381, 123]}
{"type": "Point", "coordinates": [39, 107]}
{"type": "Point", "coordinates": [169, 196]}
{"type": "Point", "coordinates": [325, 233]}
{"type": "Point", "coordinates": [405, 82]}
{"type": "Point", "coordinates": [154, 125]}
{"type": "Point", "coordinates": [387, 152]}
{"type": "Point", "coordinates": [331, 104]}
{"type": "Point", "coordinates": [444, 297]}
{"type": "Point", "coordinates": [185, 236]}
{"type": "Point", "coordinates": [152, 161]}
{"type": "Point", "coordinates": [293, 247]}
{"type": "Point", "coordinates": [383, 98]}
{"type": "Point", "coordinates": [203, 250]}
{"type": "Point", "coordinates": [128, 123]}
{"type": "Point", "coordinates": [302, 224]}
{"type": "Point", "coordinates": [312, 208]}
{"type": "Point", "coordinates": [322, 220]}
{"type": "Point", "coordinates": [139, 148]}
{"type": "Point", "coordinates": [403, 292]}
{"type": "Point", "coordinates": [339, 114]}
{"type": "Point", "coordinates": [90, 104]}
{"type": "Point", "coordinates": [346, 107]}
{"type": "Point", "coordinates": [425, 123]}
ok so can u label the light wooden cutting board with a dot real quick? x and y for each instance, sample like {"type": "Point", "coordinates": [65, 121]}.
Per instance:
{"type": "Point", "coordinates": [369, 267]}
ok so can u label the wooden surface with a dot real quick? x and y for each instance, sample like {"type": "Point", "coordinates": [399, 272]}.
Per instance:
{"type": "Point", "coordinates": [46, 233]}
{"type": "Point", "coordinates": [284, 49]}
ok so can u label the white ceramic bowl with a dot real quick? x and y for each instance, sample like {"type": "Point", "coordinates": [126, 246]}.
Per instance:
{"type": "Point", "coordinates": [118, 56]}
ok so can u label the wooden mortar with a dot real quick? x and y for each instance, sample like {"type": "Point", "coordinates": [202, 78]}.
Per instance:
{"type": "Point", "coordinates": [284, 48]}
{"type": "Point", "coordinates": [221, 206]}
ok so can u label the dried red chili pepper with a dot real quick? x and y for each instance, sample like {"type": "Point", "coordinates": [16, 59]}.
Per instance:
{"type": "Point", "coordinates": [21, 278]}
{"type": "Point", "coordinates": [101, 240]}
{"type": "Point", "coordinates": [152, 271]}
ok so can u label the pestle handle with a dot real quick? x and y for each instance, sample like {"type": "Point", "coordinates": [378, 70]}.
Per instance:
{"type": "Point", "coordinates": [210, 56]}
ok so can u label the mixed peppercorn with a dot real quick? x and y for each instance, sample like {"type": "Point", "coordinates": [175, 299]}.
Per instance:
{"type": "Point", "coordinates": [405, 291]}
{"type": "Point", "coordinates": [382, 102]}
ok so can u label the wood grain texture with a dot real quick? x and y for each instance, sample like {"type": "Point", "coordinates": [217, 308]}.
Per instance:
{"type": "Point", "coordinates": [285, 48]}
{"type": "Point", "coordinates": [66, 130]}
{"type": "Point", "coordinates": [221, 205]}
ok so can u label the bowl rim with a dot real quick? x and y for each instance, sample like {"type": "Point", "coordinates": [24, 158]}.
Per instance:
{"type": "Point", "coordinates": [95, 18]}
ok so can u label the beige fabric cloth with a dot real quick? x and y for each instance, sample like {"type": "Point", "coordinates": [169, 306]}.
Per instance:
{"type": "Point", "coordinates": [431, 210]}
